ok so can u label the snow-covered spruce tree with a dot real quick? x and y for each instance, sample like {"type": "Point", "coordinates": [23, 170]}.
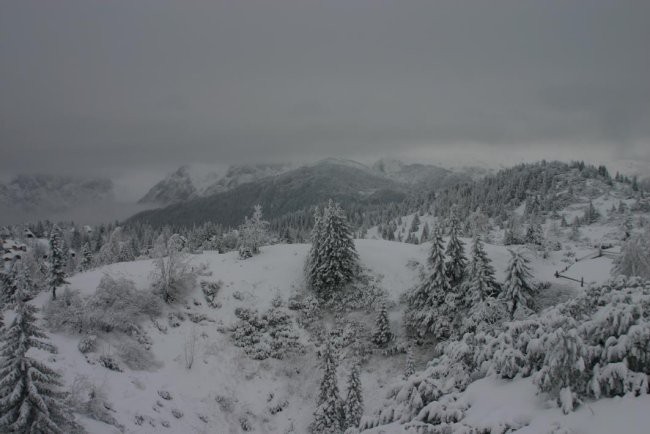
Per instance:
{"type": "Point", "coordinates": [329, 416]}
{"type": "Point", "coordinates": [337, 258]}
{"type": "Point", "coordinates": [415, 223]}
{"type": "Point", "coordinates": [354, 399]}
{"type": "Point", "coordinates": [253, 234]}
{"type": "Point", "coordinates": [635, 257]}
{"type": "Point", "coordinates": [313, 259]}
{"type": "Point", "coordinates": [456, 260]}
{"type": "Point", "coordinates": [382, 335]}
{"type": "Point", "coordinates": [30, 399]}
{"type": "Point", "coordinates": [431, 301]}
{"type": "Point", "coordinates": [591, 214]}
{"type": "Point", "coordinates": [425, 233]}
{"type": "Point", "coordinates": [57, 261]}
{"type": "Point", "coordinates": [535, 234]}
{"type": "Point", "coordinates": [517, 291]}
{"type": "Point", "coordinates": [481, 282]}
{"type": "Point", "coordinates": [86, 258]}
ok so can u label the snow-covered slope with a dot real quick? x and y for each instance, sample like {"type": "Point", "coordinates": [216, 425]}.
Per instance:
{"type": "Point", "coordinates": [224, 386]}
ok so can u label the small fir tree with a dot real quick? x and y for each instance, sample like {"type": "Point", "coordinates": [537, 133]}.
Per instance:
{"type": "Point", "coordinates": [425, 233]}
{"type": "Point", "coordinates": [329, 416]}
{"type": "Point", "coordinates": [353, 399]}
{"type": "Point", "coordinates": [86, 258]}
{"type": "Point", "coordinates": [518, 291]}
{"type": "Point", "coordinates": [19, 283]}
{"type": "Point", "coordinates": [57, 261]}
{"type": "Point", "coordinates": [382, 335]}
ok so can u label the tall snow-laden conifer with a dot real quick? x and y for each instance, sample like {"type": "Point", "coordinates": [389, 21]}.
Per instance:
{"type": "Point", "coordinates": [456, 260]}
{"type": "Point", "coordinates": [425, 233]}
{"type": "Point", "coordinates": [426, 302]}
{"type": "Point", "coordinates": [57, 261]}
{"type": "Point", "coordinates": [517, 289]}
{"type": "Point", "coordinates": [30, 398]}
{"type": "Point", "coordinates": [336, 261]}
{"type": "Point", "coordinates": [313, 260]}
{"type": "Point", "coordinates": [382, 334]}
{"type": "Point", "coordinates": [329, 416]}
{"type": "Point", "coordinates": [353, 399]}
{"type": "Point", "coordinates": [481, 281]}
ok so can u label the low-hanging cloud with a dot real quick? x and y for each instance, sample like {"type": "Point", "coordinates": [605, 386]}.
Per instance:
{"type": "Point", "coordinates": [93, 86]}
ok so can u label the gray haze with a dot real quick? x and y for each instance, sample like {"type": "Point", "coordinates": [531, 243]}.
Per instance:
{"type": "Point", "coordinates": [125, 88]}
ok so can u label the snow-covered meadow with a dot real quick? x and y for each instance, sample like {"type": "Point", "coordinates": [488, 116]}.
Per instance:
{"type": "Point", "coordinates": [224, 387]}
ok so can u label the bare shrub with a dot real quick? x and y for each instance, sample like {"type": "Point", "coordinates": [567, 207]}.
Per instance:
{"type": "Point", "coordinates": [172, 276]}
{"type": "Point", "coordinates": [136, 357]}
{"type": "Point", "coordinates": [90, 399]}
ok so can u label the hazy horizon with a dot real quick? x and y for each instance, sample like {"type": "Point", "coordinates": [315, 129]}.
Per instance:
{"type": "Point", "coordinates": [133, 90]}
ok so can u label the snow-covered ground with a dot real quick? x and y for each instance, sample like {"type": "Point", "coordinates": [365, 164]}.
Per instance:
{"type": "Point", "coordinates": [223, 373]}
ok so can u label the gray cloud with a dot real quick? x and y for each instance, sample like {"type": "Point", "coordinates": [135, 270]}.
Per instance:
{"type": "Point", "coordinates": [93, 86]}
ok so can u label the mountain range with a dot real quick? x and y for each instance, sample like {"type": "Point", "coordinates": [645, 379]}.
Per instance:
{"type": "Point", "coordinates": [282, 189]}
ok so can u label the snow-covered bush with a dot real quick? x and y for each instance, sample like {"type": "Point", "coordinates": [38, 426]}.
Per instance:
{"type": "Point", "coordinates": [87, 344]}
{"type": "Point", "coordinates": [116, 305]}
{"type": "Point", "coordinates": [109, 362]}
{"type": "Point", "coordinates": [271, 334]}
{"type": "Point", "coordinates": [136, 357]}
{"type": "Point", "coordinates": [363, 294]}
{"type": "Point", "coordinates": [90, 400]}
{"type": "Point", "coordinates": [210, 291]}
{"type": "Point", "coordinates": [595, 345]}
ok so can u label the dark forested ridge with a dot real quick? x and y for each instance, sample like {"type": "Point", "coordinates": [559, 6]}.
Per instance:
{"type": "Point", "coordinates": [349, 184]}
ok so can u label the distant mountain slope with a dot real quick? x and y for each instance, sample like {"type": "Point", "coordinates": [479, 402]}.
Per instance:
{"type": "Point", "coordinates": [27, 197]}
{"type": "Point", "coordinates": [188, 183]}
{"type": "Point", "coordinates": [418, 174]}
{"type": "Point", "coordinates": [177, 187]}
{"type": "Point", "coordinates": [283, 189]}
{"type": "Point", "coordinates": [281, 194]}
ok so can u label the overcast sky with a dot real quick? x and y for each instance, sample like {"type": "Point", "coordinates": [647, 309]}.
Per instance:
{"type": "Point", "coordinates": [124, 87]}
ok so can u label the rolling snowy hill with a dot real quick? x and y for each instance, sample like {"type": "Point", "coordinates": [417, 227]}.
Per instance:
{"type": "Point", "coordinates": [224, 387]}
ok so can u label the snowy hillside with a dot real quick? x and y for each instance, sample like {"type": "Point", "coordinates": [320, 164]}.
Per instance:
{"type": "Point", "coordinates": [224, 387]}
